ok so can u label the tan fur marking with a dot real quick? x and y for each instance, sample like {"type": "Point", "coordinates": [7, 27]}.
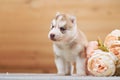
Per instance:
{"type": "Point", "coordinates": [65, 18]}
{"type": "Point", "coordinates": [73, 45]}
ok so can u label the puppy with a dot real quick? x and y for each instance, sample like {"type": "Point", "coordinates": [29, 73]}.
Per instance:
{"type": "Point", "coordinates": [69, 45]}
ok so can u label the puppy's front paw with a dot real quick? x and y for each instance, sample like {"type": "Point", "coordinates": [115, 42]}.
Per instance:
{"type": "Point", "coordinates": [61, 74]}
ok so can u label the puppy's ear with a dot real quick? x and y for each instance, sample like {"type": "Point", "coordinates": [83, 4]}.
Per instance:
{"type": "Point", "coordinates": [58, 13]}
{"type": "Point", "coordinates": [73, 19]}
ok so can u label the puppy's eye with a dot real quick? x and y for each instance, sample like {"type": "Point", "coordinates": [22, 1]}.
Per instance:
{"type": "Point", "coordinates": [62, 29]}
{"type": "Point", "coordinates": [52, 27]}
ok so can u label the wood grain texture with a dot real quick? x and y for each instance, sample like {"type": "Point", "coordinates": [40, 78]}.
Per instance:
{"type": "Point", "coordinates": [24, 26]}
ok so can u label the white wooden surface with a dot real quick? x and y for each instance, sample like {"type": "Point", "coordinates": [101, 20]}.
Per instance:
{"type": "Point", "coordinates": [21, 76]}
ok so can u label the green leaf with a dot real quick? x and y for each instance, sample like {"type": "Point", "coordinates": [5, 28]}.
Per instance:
{"type": "Point", "coordinates": [101, 45]}
{"type": "Point", "coordinates": [119, 38]}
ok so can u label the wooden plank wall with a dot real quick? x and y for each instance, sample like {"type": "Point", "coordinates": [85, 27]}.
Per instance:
{"type": "Point", "coordinates": [24, 25]}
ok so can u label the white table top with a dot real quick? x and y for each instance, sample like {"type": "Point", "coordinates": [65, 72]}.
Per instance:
{"type": "Point", "coordinates": [25, 76]}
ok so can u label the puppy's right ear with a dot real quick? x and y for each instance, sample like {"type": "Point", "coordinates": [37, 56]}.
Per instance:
{"type": "Point", "coordinates": [73, 19]}
{"type": "Point", "coordinates": [58, 13]}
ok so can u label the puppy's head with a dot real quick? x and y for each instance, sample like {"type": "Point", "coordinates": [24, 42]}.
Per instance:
{"type": "Point", "coordinates": [63, 27]}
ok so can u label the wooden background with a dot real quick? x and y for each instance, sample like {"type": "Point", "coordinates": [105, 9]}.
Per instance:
{"type": "Point", "coordinates": [24, 26]}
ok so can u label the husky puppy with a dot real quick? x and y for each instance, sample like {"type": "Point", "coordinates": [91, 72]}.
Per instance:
{"type": "Point", "coordinates": [69, 45]}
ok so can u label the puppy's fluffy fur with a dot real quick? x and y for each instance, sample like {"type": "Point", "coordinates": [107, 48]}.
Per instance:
{"type": "Point", "coordinates": [69, 44]}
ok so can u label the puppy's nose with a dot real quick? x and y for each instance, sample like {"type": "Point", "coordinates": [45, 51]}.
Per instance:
{"type": "Point", "coordinates": [52, 36]}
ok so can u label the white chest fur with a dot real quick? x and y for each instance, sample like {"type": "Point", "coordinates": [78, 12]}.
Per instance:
{"type": "Point", "coordinates": [66, 52]}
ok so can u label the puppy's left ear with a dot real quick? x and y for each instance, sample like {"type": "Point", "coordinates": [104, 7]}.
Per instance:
{"type": "Point", "coordinates": [73, 19]}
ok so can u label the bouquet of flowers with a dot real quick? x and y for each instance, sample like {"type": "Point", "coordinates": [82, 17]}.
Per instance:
{"type": "Point", "coordinates": [104, 58]}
